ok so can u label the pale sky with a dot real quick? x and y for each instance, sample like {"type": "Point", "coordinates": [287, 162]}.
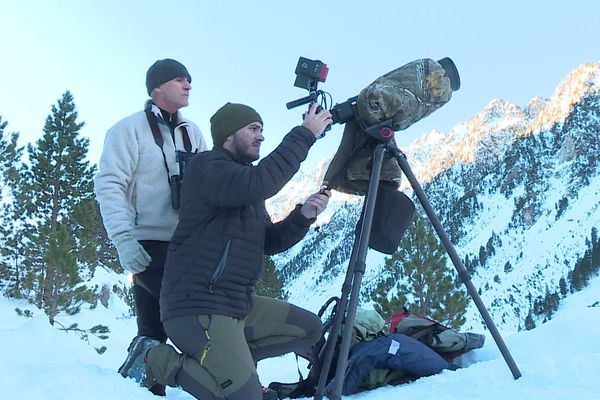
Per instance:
{"type": "Point", "coordinates": [246, 51]}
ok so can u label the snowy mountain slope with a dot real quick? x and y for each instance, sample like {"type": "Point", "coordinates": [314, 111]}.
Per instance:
{"type": "Point", "coordinates": [42, 362]}
{"type": "Point", "coordinates": [516, 190]}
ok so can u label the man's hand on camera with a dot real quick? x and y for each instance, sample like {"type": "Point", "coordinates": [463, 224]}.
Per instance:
{"type": "Point", "coordinates": [316, 203]}
{"type": "Point", "coordinates": [315, 121]}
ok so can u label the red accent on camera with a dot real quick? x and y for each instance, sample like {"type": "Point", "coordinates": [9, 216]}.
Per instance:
{"type": "Point", "coordinates": [323, 73]}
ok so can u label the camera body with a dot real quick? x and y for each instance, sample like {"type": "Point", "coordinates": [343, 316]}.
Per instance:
{"type": "Point", "coordinates": [344, 112]}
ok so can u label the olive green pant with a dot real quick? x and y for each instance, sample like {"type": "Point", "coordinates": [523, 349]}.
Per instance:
{"type": "Point", "coordinates": [220, 353]}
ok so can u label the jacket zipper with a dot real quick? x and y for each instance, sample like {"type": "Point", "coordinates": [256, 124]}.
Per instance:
{"type": "Point", "coordinates": [220, 267]}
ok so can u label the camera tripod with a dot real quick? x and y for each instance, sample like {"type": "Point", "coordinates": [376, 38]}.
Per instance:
{"type": "Point", "coordinates": [345, 312]}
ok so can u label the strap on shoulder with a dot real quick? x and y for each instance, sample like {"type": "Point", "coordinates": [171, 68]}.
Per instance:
{"type": "Point", "coordinates": [154, 127]}
{"type": "Point", "coordinates": [187, 144]}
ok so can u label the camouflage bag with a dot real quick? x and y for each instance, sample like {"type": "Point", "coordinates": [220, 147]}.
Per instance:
{"type": "Point", "coordinates": [408, 93]}
{"type": "Point", "coordinates": [404, 96]}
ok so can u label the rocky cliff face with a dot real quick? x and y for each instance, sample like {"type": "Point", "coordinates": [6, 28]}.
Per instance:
{"type": "Point", "coordinates": [516, 189]}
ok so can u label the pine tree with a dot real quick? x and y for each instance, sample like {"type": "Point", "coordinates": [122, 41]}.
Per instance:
{"type": "Point", "coordinates": [67, 292]}
{"type": "Point", "coordinates": [418, 276]}
{"type": "Point", "coordinates": [529, 322]}
{"type": "Point", "coordinates": [581, 272]}
{"type": "Point", "coordinates": [61, 236]}
{"type": "Point", "coordinates": [386, 302]}
{"type": "Point", "coordinates": [551, 303]}
{"type": "Point", "coordinates": [595, 251]}
{"type": "Point", "coordinates": [563, 287]}
{"type": "Point", "coordinates": [270, 284]}
{"type": "Point", "coordinates": [482, 255]}
{"type": "Point", "coordinates": [11, 157]}
{"type": "Point", "coordinates": [10, 212]}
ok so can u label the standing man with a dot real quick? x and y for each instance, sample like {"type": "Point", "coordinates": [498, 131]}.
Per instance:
{"type": "Point", "coordinates": [141, 168]}
{"type": "Point", "coordinates": [208, 305]}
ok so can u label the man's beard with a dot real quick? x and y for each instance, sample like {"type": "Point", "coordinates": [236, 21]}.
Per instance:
{"type": "Point", "coordinates": [247, 157]}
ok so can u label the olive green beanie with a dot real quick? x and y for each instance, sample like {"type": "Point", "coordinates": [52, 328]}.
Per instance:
{"type": "Point", "coordinates": [229, 119]}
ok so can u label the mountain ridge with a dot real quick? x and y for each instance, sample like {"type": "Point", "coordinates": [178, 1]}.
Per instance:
{"type": "Point", "coordinates": [522, 178]}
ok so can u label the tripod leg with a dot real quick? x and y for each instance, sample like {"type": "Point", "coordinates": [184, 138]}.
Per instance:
{"type": "Point", "coordinates": [333, 338]}
{"type": "Point", "coordinates": [462, 272]}
{"type": "Point", "coordinates": [359, 269]}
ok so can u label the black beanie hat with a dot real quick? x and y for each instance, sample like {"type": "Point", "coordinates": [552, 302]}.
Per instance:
{"type": "Point", "coordinates": [163, 71]}
{"type": "Point", "coordinates": [229, 119]}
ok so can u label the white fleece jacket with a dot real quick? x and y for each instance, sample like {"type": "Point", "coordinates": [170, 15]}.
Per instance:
{"type": "Point", "coordinates": [132, 185]}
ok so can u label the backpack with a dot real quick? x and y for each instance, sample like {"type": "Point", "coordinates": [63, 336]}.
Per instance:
{"type": "Point", "coordinates": [448, 342]}
{"type": "Point", "coordinates": [368, 325]}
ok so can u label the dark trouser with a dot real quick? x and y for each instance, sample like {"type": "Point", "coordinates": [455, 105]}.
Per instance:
{"type": "Point", "coordinates": [220, 353]}
{"type": "Point", "coordinates": [146, 291]}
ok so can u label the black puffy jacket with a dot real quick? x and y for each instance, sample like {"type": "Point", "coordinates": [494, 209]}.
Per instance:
{"type": "Point", "coordinates": [216, 253]}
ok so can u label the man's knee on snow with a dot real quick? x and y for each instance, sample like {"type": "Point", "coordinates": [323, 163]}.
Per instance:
{"type": "Point", "coordinates": [162, 364]}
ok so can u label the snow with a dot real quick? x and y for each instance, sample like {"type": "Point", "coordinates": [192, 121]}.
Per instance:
{"type": "Point", "coordinates": [559, 360]}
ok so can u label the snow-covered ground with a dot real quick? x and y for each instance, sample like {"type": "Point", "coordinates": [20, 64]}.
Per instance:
{"type": "Point", "coordinates": [559, 360]}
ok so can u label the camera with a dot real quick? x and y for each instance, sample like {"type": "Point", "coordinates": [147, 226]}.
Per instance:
{"type": "Point", "coordinates": [344, 112]}
{"type": "Point", "coordinates": [392, 102]}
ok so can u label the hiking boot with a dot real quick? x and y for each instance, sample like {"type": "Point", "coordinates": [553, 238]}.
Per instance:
{"type": "Point", "coordinates": [135, 363]}
{"type": "Point", "coordinates": [134, 340]}
{"type": "Point", "coordinates": [268, 393]}
{"type": "Point", "coordinates": [158, 390]}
